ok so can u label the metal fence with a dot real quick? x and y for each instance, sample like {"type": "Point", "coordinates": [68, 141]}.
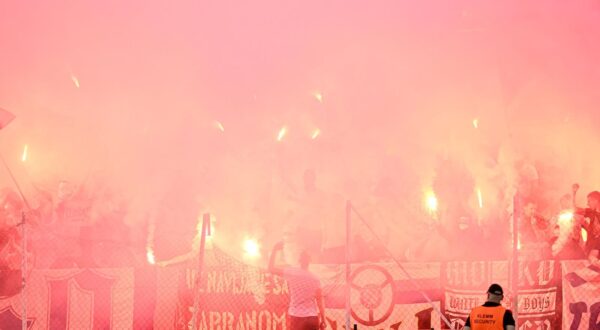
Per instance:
{"type": "Point", "coordinates": [89, 282]}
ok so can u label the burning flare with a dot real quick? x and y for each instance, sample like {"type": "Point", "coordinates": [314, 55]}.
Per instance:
{"type": "Point", "coordinates": [25, 153]}
{"type": "Point", "coordinates": [281, 134]}
{"type": "Point", "coordinates": [479, 198]}
{"type": "Point", "coordinates": [219, 126]}
{"type": "Point", "coordinates": [565, 230]}
{"type": "Point", "coordinates": [251, 248]}
{"type": "Point", "coordinates": [318, 96]}
{"type": "Point", "coordinates": [475, 123]}
{"type": "Point", "coordinates": [75, 81]}
{"type": "Point", "coordinates": [566, 219]}
{"type": "Point", "coordinates": [315, 133]}
{"type": "Point", "coordinates": [149, 244]}
{"type": "Point", "coordinates": [431, 202]}
{"type": "Point", "coordinates": [150, 255]}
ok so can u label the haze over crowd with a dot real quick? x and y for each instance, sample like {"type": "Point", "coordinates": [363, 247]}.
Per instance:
{"type": "Point", "coordinates": [221, 107]}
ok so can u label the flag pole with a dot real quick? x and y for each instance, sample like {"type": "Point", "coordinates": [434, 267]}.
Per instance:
{"type": "Point", "coordinates": [514, 276]}
{"type": "Point", "coordinates": [23, 228]}
{"type": "Point", "coordinates": [198, 281]}
{"type": "Point", "coordinates": [348, 257]}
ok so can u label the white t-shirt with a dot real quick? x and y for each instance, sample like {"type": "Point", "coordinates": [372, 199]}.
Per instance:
{"type": "Point", "coordinates": [303, 287]}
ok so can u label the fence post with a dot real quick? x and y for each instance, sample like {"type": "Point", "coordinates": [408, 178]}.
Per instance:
{"type": "Point", "coordinates": [514, 276]}
{"type": "Point", "coordinates": [205, 230]}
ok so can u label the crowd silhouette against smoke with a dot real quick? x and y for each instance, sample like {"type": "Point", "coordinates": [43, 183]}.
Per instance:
{"type": "Point", "coordinates": [437, 120]}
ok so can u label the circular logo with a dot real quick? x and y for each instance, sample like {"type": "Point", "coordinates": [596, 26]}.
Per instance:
{"type": "Point", "coordinates": [371, 296]}
{"type": "Point", "coordinates": [373, 288]}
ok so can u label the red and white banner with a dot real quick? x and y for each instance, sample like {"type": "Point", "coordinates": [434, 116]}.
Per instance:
{"type": "Point", "coordinates": [73, 299]}
{"type": "Point", "coordinates": [540, 294]}
{"type": "Point", "coordinates": [465, 284]}
{"type": "Point", "coordinates": [238, 296]}
{"type": "Point", "coordinates": [581, 288]}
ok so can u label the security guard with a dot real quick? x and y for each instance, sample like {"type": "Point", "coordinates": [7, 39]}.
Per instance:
{"type": "Point", "coordinates": [491, 315]}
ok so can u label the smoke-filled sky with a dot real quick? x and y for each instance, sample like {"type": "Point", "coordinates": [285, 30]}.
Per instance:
{"type": "Point", "coordinates": [130, 93]}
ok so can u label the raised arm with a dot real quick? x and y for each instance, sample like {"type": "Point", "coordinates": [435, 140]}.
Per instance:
{"type": "Point", "coordinates": [272, 268]}
{"type": "Point", "coordinates": [574, 189]}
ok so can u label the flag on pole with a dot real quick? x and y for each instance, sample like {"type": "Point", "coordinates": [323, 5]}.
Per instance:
{"type": "Point", "coordinates": [5, 118]}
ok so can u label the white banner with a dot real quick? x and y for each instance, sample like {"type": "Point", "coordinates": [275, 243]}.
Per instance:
{"type": "Point", "coordinates": [73, 299]}
{"type": "Point", "coordinates": [581, 289]}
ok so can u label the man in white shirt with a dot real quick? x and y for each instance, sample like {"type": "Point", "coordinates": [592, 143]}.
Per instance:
{"type": "Point", "coordinates": [306, 310]}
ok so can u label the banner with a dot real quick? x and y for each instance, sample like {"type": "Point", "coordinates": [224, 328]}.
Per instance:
{"type": "Point", "coordinates": [73, 299]}
{"type": "Point", "coordinates": [465, 284]}
{"type": "Point", "coordinates": [238, 296]}
{"type": "Point", "coordinates": [581, 287]}
{"type": "Point", "coordinates": [539, 295]}
{"type": "Point", "coordinates": [383, 297]}
{"type": "Point", "coordinates": [234, 295]}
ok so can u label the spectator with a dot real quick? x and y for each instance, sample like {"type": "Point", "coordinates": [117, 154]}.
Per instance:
{"type": "Point", "coordinates": [533, 233]}
{"type": "Point", "coordinates": [592, 222]}
{"type": "Point", "coordinates": [306, 309]}
{"type": "Point", "coordinates": [491, 315]}
{"type": "Point", "coordinates": [566, 240]}
{"type": "Point", "coordinates": [10, 251]}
